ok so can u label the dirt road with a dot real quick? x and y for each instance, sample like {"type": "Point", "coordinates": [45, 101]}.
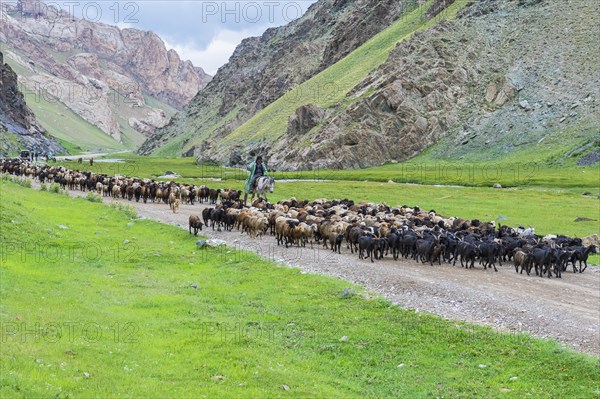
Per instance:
{"type": "Point", "coordinates": [566, 309]}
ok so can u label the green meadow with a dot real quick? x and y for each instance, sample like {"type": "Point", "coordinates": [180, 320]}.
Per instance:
{"type": "Point", "coordinates": [95, 303]}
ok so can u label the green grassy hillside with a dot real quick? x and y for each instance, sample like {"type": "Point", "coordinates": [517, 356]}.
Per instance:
{"type": "Point", "coordinates": [547, 134]}
{"type": "Point", "coordinates": [327, 88]}
{"type": "Point", "coordinates": [61, 122]}
{"type": "Point", "coordinates": [107, 309]}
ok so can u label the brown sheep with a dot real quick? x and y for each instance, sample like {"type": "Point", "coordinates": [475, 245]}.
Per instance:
{"type": "Point", "coordinates": [116, 191]}
{"type": "Point", "coordinates": [523, 260]}
{"type": "Point", "coordinates": [272, 218]}
{"type": "Point", "coordinates": [172, 201]}
{"type": "Point", "coordinates": [185, 195]}
{"type": "Point", "coordinates": [308, 232]}
{"type": "Point", "coordinates": [437, 252]}
{"type": "Point", "coordinates": [231, 195]}
{"type": "Point", "coordinates": [328, 227]}
{"type": "Point", "coordinates": [256, 225]}
{"type": "Point", "coordinates": [300, 234]}
{"type": "Point", "coordinates": [130, 192]}
{"type": "Point", "coordinates": [214, 195]}
{"type": "Point", "coordinates": [283, 227]}
{"type": "Point", "coordinates": [195, 223]}
{"type": "Point", "coordinates": [335, 242]}
{"type": "Point", "coordinates": [165, 196]}
{"type": "Point", "coordinates": [244, 213]}
{"type": "Point", "coordinates": [259, 203]}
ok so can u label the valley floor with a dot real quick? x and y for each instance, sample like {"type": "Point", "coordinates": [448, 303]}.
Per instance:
{"type": "Point", "coordinates": [566, 309]}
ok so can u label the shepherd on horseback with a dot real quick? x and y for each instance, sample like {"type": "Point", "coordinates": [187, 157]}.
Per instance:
{"type": "Point", "coordinates": [257, 169]}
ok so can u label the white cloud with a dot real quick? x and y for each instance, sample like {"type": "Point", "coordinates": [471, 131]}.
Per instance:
{"type": "Point", "coordinates": [125, 25]}
{"type": "Point", "coordinates": [217, 52]}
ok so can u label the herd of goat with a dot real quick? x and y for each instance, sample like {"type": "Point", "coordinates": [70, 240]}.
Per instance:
{"type": "Point", "coordinates": [372, 231]}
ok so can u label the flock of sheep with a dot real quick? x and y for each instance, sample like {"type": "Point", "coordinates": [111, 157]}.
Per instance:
{"type": "Point", "coordinates": [372, 231]}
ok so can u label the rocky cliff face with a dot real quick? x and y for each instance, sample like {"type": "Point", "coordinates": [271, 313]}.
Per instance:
{"type": "Point", "coordinates": [18, 127]}
{"type": "Point", "coordinates": [90, 66]}
{"type": "Point", "coordinates": [505, 74]}
{"type": "Point", "coordinates": [264, 68]}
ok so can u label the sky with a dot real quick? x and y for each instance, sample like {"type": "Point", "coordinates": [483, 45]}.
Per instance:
{"type": "Point", "coordinates": [205, 32]}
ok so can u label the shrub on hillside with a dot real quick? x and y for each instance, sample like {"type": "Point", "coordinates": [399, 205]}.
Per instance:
{"type": "Point", "coordinates": [93, 197]}
{"type": "Point", "coordinates": [16, 179]}
{"type": "Point", "coordinates": [128, 210]}
{"type": "Point", "coordinates": [55, 188]}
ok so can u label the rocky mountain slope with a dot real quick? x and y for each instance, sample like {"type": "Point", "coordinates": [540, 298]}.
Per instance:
{"type": "Point", "coordinates": [103, 73]}
{"type": "Point", "coordinates": [262, 69]}
{"type": "Point", "coordinates": [501, 76]}
{"type": "Point", "coordinates": [18, 127]}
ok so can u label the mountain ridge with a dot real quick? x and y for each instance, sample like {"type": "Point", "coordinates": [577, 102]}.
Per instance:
{"type": "Point", "coordinates": [91, 66]}
{"type": "Point", "coordinates": [480, 86]}
{"type": "Point", "coordinates": [264, 68]}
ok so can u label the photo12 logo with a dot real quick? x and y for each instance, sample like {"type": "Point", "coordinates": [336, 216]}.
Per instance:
{"type": "Point", "coordinates": [125, 12]}
{"type": "Point", "coordinates": [51, 253]}
{"type": "Point", "coordinates": [218, 333]}
{"type": "Point", "coordinates": [68, 331]}
{"type": "Point", "coordinates": [251, 11]}
{"type": "Point", "coordinates": [92, 92]}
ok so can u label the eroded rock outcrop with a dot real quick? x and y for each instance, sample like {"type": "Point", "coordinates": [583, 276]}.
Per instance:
{"type": "Point", "coordinates": [264, 68]}
{"type": "Point", "coordinates": [18, 127]}
{"type": "Point", "coordinates": [484, 80]}
{"type": "Point", "coordinates": [96, 69]}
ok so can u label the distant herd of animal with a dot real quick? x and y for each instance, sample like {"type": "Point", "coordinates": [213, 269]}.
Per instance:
{"type": "Point", "coordinates": [373, 231]}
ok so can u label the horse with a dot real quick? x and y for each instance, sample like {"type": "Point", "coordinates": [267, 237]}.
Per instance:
{"type": "Point", "coordinates": [262, 185]}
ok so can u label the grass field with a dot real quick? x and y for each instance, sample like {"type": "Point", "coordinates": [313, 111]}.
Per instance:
{"type": "Point", "coordinates": [551, 164]}
{"type": "Point", "coordinates": [107, 309]}
{"type": "Point", "coordinates": [141, 166]}
{"type": "Point", "coordinates": [485, 174]}
{"type": "Point", "coordinates": [510, 172]}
